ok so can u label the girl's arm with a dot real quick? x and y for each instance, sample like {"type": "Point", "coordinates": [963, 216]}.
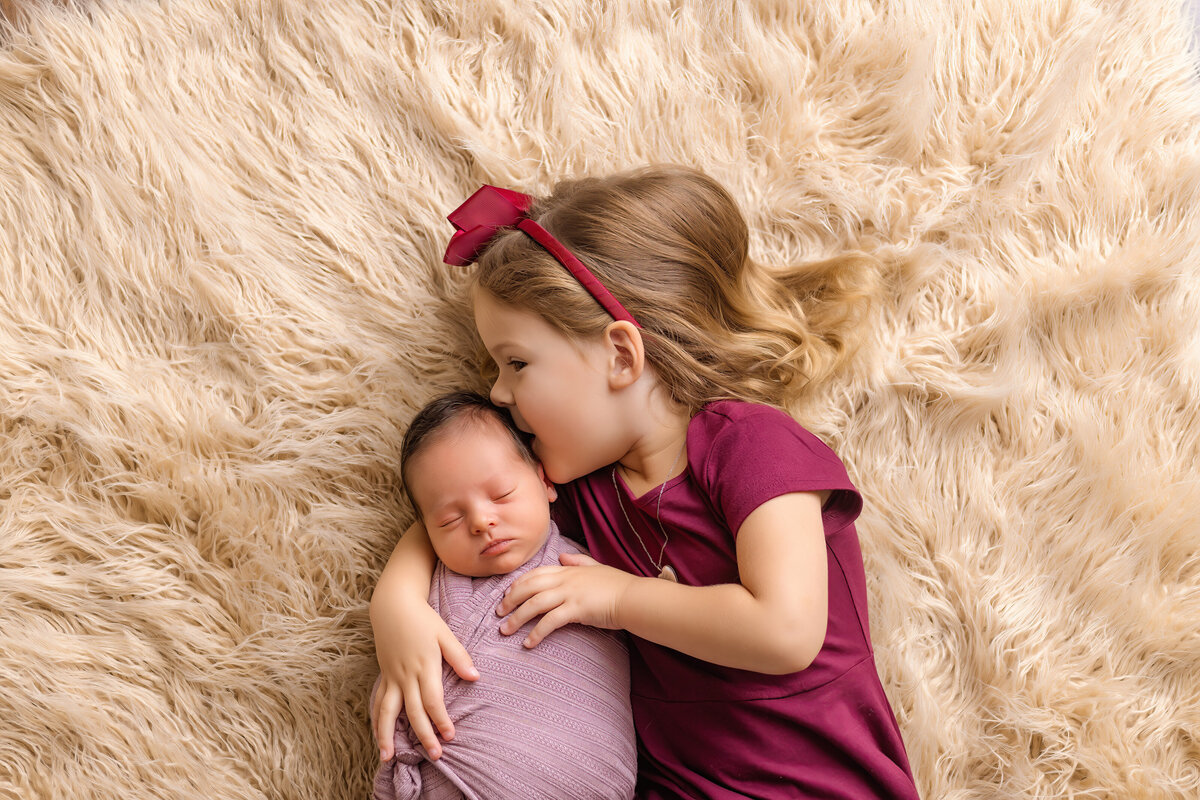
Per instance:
{"type": "Point", "coordinates": [773, 621]}
{"type": "Point", "coordinates": [411, 641]}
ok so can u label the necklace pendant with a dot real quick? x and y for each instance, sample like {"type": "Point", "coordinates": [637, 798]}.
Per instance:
{"type": "Point", "coordinates": [668, 574]}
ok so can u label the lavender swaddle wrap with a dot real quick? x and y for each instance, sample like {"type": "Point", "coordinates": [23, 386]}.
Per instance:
{"type": "Point", "coordinates": [552, 722]}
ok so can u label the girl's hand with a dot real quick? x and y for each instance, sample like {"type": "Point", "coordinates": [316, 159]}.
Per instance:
{"type": "Point", "coordinates": [582, 590]}
{"type": "Point", "coordinates": [411, 643]}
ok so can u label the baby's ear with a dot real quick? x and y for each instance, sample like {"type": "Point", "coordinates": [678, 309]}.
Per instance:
{"type": "Point", "coordinates": [551, 489]}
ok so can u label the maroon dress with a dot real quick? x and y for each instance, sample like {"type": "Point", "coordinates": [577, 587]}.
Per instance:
{"type": "Point", "coordinates": [707, 731]}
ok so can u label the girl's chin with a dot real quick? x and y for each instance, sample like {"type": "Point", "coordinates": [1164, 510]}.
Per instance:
{"type": "Point", "coordinates": [556, 472]}
{"type": "Point", "coordinates": [535, 445]}
{"type": "Point", "coordinates": [556, 475]}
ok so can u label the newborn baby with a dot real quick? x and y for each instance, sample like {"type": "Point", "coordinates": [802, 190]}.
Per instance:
{"type": "Point", "coordinates": [549, 722]}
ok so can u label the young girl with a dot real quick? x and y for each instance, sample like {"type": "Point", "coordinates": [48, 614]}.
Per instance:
{"type": "Point", "coordinates": [649, 357]}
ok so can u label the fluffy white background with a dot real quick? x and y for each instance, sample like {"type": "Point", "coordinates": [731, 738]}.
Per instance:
{"type": "Point", "coordinates": [222, 299]}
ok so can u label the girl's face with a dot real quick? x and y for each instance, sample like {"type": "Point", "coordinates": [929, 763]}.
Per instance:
{"type": "Point", "coordinates": [556, 388]}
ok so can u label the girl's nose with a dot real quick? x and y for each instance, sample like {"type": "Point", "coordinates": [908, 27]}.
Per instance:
{"type": "Point", "coordinates": [500, 394]}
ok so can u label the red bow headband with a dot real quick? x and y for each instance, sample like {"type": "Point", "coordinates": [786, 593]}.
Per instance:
{"type": "Point", "coordinates": [492, 208]}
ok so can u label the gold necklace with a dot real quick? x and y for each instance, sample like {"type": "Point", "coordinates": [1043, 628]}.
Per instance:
{"type": "Point", "coordinates": [665, 571]}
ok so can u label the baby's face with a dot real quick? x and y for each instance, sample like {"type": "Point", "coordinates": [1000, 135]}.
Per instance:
{"type": "Point", "coordinates": [486, 509]}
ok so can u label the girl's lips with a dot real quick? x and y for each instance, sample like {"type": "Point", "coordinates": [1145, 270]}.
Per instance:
{"type": "Point", "coordinates": [497, 547]}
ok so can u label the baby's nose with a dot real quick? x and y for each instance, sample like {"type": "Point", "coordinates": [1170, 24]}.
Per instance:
{"type": "Point", "coordinates": [482, 521]}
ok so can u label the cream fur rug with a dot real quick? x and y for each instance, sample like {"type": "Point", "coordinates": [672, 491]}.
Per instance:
{"type": "Point", "coordinates": [220, 235]}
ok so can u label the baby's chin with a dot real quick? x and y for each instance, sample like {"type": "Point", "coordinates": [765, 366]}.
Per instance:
{"type": "Point", "coordinates": [477, 572]}
{"type": "Point", "coordinates": [522, 551]}
{"type": "Point", "coordinates": [488, 568]}
{"type": "Point", "coordinates": [472, 570]}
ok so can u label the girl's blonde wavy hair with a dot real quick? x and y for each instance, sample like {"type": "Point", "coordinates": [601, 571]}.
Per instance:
{"type": "Point", "coordinates": [671, 245]}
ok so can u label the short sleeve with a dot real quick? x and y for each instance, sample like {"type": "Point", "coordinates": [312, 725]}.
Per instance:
{"type": "Point", "coordinates": [749, 454]}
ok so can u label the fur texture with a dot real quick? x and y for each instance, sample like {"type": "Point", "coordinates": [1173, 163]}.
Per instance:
{"type": "Point", "coordinates": [222, 299]}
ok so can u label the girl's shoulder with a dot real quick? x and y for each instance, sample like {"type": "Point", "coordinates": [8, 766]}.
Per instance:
{"type": "Point", "coordinates": [733, 412]}
{"type": "Point", "coordinates": [742, 454]}
{"type": "Point", "coordinates": [739, 425]}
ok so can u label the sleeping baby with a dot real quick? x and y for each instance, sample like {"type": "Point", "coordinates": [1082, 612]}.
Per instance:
{"type": "Point", "coordinates": [549, 722]}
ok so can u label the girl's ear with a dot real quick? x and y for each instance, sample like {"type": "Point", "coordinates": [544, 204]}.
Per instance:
{"type": "Point", "coordinates": [627, 353]}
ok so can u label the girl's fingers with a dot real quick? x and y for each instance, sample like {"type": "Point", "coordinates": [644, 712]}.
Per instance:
{"type": "Point", "coordinates": [528, 585]}
{"type": "Point", "coordinates": [387, 708]}
{"type": "Point", "coordinates": [550, 622]}
{"type": "Point", "coordinates": [459, 659]}
{"type": "Point", "coordinates": [434, 702]}
{"type": "Point", "coordinates": [577, 560]}
{"type": "Point", "coordinates": [424, 700]}
{"type": "Point", "coordinates": [418, 720]}
{"type": "Point", "coordinates": [533, 607]}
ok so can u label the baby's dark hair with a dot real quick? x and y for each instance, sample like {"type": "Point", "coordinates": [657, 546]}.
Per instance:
{"type": "Point", "coordinates": [449, 412]}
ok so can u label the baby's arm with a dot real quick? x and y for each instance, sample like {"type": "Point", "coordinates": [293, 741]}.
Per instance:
{"type": "Point", "coordinates": [773, 621]}
{"type": "Point", "coordinates": [411, 641]}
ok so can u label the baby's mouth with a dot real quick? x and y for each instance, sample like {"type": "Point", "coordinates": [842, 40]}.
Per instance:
{"type": "Point", "coordinates": [496, 547]}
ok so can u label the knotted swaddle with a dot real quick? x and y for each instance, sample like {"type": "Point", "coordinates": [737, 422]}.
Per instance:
{"type": "Point", "coordinates": [552, 722]}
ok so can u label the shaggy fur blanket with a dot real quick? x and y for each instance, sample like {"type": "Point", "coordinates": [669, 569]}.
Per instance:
{"type": "Point", "coordinates": [222, 299]}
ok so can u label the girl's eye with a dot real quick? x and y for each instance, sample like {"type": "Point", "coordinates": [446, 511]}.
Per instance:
{"type": "Point", "coordinates": [516, 365]}
{"type": "Point", "coordinates": [450, 522]}
{"type": "Point", "coordinates": [506, 495]}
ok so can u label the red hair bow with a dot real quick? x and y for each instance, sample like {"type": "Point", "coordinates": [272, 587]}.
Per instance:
{"type": "Point", "coordinates": [491, 208]}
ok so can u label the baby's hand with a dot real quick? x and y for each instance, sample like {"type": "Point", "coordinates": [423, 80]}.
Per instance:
{"type": "Point", "coordinates": [582, 590]}
{"type": "Point", "coordinates": [410, 647]}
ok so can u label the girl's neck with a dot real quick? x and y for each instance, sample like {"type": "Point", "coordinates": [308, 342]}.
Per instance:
{"type": "Point", "coordinates": [659, 450]}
